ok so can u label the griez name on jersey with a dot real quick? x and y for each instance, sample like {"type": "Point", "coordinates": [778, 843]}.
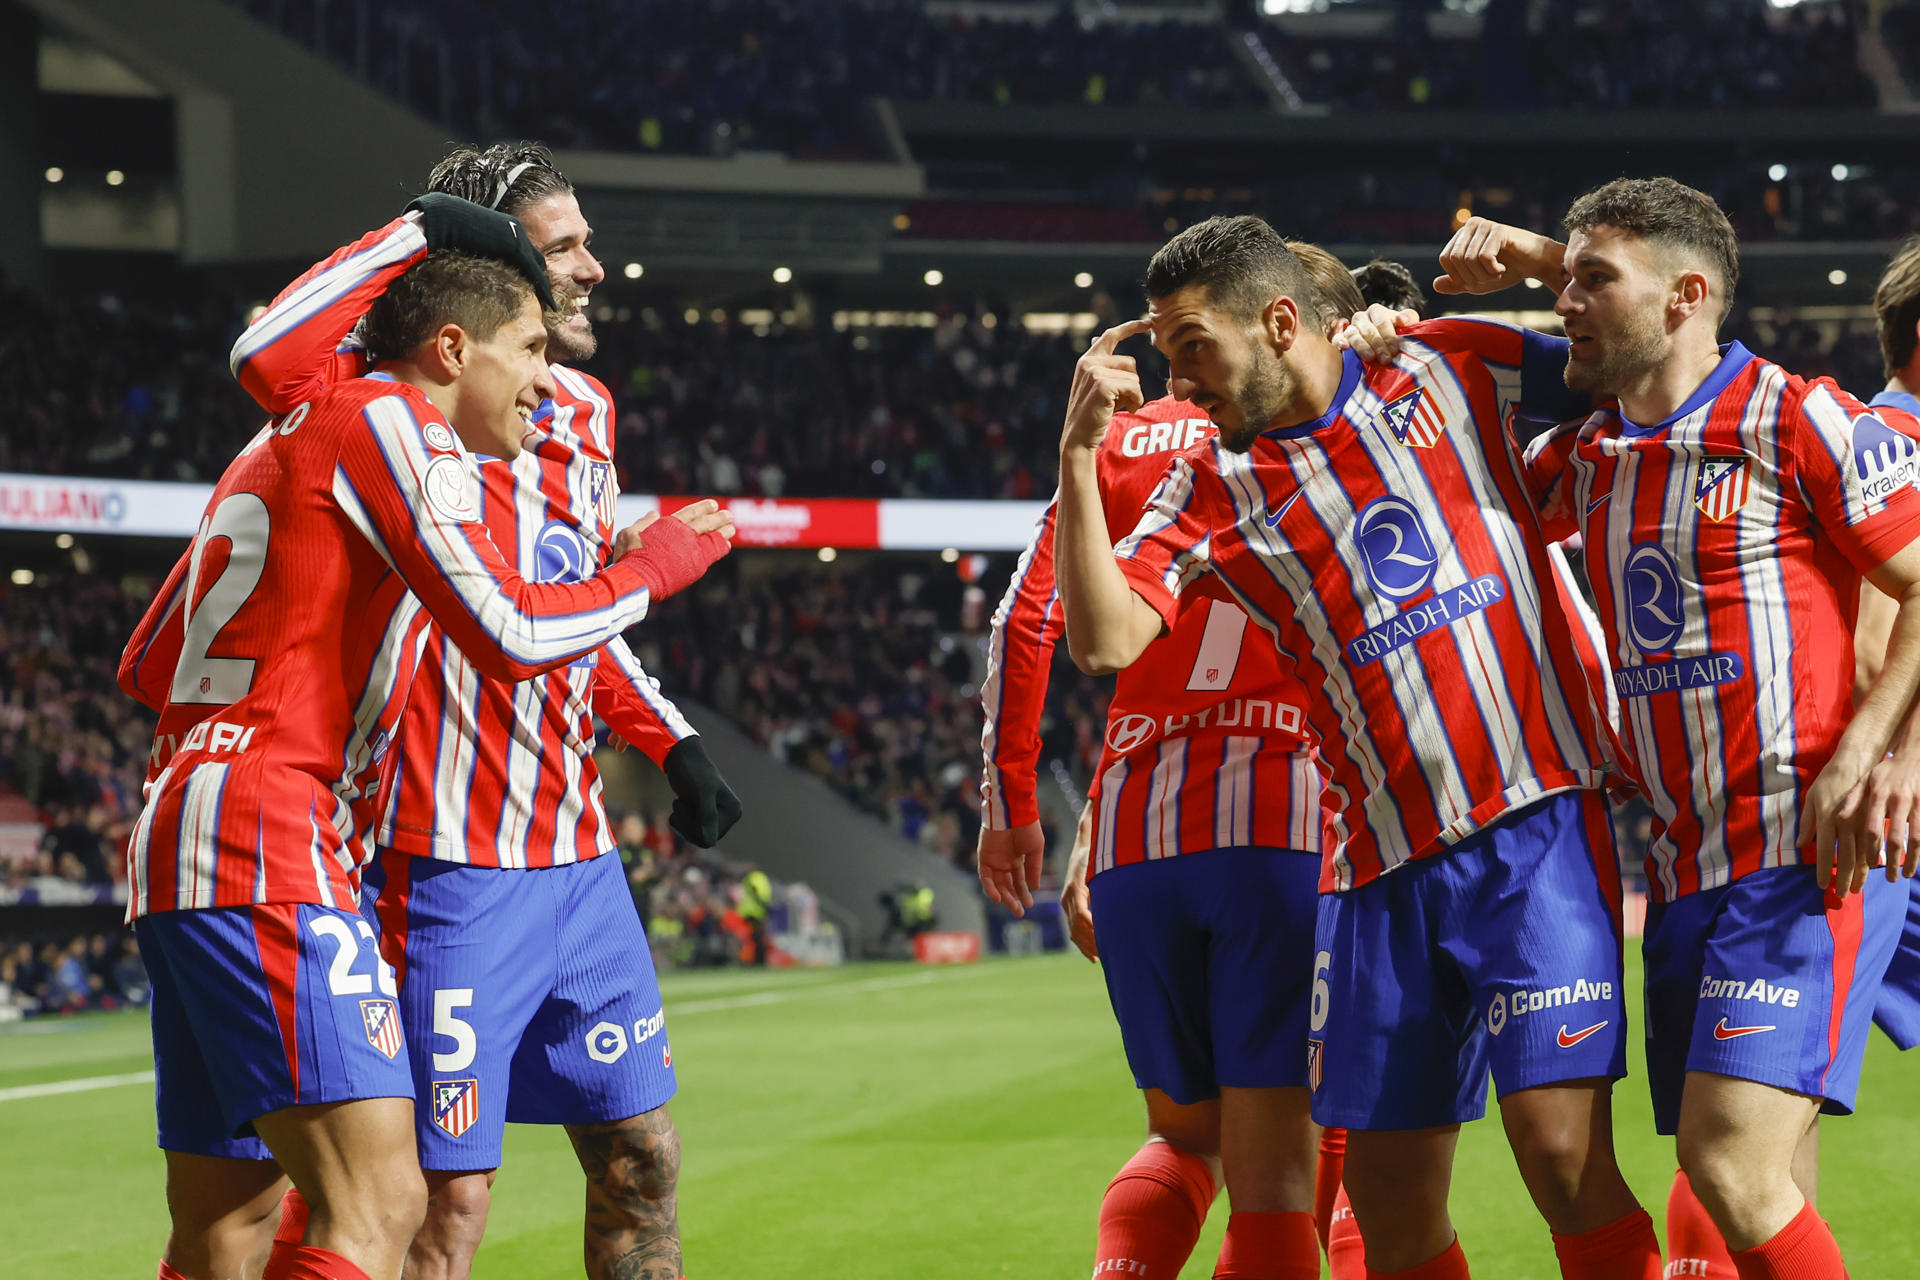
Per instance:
{"type": "Point", "coordinates": [1143, 438]}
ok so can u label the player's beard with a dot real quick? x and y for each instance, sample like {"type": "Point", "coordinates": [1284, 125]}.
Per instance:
{"type": "Point", "coordinates": [1626, 355]}
{"type": "Point", "coordinates": [570, 334]}
{"type": "Point", "coordinates": [1260, 396]}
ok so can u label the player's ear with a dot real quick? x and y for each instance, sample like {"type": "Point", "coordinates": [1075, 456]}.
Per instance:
{"type": "Point", "coordinates": [1691, 293]}
{"type": "Point", "coordinates": [1280, 323]}
{"type": "Point", "coordinates": [450, 351]}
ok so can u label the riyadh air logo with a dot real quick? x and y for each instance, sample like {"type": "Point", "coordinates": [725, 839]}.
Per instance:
{"type": "Point", "coordinates": [1399, 556]}
{"type": "Point", "coordinates": [1128, 732]}
{"type": "Point", "coordinates": [1654, 620]}
{"type": "Point", "coordinates": [1722, 488]}
{"type": "Point", "coordinates": [456, 1105]}
{"type": "Point", "coordinates": [1885, 460]}
{"type": "Point", "coordinates": [560, 554]}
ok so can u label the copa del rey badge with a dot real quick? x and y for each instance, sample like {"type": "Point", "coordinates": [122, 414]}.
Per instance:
{"type": "Point", "coordinates": [1722, 488]}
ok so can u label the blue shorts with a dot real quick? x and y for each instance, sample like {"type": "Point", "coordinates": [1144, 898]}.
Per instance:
{"type": "Point", "coordinates": [1898, 1011]}
{"type": "Point", "coordinates": [1207, 960]}
{"type": "Point", "coordinates": [1501, 954]}
{"type": "Point", "coordinates": [1758, 979]}
{"type": "Point", "coordinates": [260, 1008]}
{"type": "Point", "coordinates": [527, 995]}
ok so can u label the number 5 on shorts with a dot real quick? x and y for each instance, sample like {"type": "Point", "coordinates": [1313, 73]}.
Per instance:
{"type": "Point", "coordinates": [449, 1024]}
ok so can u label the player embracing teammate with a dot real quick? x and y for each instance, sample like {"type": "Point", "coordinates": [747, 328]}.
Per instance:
{"type": "Point", "coordinates": [281, 653]}
{"type": "Point", "coordinates": [1374, 522]}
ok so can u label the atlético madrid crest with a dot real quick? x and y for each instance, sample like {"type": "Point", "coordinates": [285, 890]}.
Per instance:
{"type": "Point", "coordinates": [456, 1105]}
{"type": "Point", "coordinates": [605, 491]}
{"type": "Point", "coordinates": [382, 1022]}
{"type": "Point", "coordinates": [1316, 1064]}
{"type": "Point", "coordinates": [1414, 420]}
{"type": "Point", "coordinates": [1722, 488]}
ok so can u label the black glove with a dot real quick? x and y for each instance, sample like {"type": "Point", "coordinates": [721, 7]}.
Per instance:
{"type": "Point", "coordinates": [704, 806]}
{"type": "Point", "coordinates": [449, 222]}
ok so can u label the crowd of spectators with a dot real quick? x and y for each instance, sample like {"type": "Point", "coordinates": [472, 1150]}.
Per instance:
{"type": "Point", "coordinates": [89, 971]}
{"type": "Point", "coordinates": [864, 675]}
{"type": "Point", "coordinates": [794, 75]}
{"type": "Point", "coordinates": [783, 75]}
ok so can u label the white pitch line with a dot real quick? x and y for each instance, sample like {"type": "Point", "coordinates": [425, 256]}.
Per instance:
{"type": "Point", "coordinates": [811, 992]}
{"type": "Point", "coordinates": [83, 1085]}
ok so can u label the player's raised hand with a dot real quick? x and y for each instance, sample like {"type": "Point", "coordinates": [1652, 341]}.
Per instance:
{"type": "Point", "coordinates": [448, 222]}
{"type": "Point", "coordinates": [1374, 334]}
{"type": "Point", "coordinates": [671, 554]}
{"type": "Point", "coordinates": [1104, 383]}
{"type": "Point", "coordinates": [1010, 865]}
{"type": "Point", "coordinates": [1485, 256]}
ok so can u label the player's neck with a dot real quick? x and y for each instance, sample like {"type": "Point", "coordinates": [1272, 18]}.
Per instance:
{"type": "Point", "coordinates": [439, 394]}
{"type": "Point", "coordinates": [1906, 382]}
{"type": "Point", "coordinates": [1317, 369]}
{"type": "Point", "coordinates": [1654, 397]}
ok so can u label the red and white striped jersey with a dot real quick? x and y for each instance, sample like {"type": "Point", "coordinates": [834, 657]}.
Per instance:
{"type": "Point", "coordinates": [1204, 739]}
{"type": "Point", "coordinates": [1726, 546]}
{"type": "Point", "coordinates": [488, 773]}
{"type": "Point", "coordinates": [1389, 545]}
{"type": "Point", "coordinates": [283, 646]}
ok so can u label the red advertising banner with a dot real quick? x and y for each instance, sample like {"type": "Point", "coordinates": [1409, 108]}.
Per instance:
{"type": "Point", "coordinates": [943, 947]}
{"type": "Point", "coordinates": [796, 522]}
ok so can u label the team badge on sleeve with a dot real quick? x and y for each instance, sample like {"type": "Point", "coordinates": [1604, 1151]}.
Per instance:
{"type": "Point", "coordinates": [1413, 421]}
{"type": "Point", "coordinates": [1722, 488]}
{"type": "Point", "coordinates": [605, 491]}
{"type": "Point", "coordinates": [382, 1022]}
{"type": "Point", "coordinates": [456, 1105]}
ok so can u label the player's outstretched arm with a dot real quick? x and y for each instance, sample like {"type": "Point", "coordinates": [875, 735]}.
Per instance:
{"type": "Point", "coordinates": [299, 344]}
{"type": "Point", "coordinates": [1108, 625]}
{"type": "Point", "coordinates": [147, 664]}
{"type": "Point", "coordinates": [416, 501]}
{"type": "Point", "coordinates": [1485, 256]}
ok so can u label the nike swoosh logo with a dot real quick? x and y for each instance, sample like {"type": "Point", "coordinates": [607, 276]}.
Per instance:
{"type": "Point", "coordinates": [1568, 1041]}
{"type": "Point", "coordinates": [1273, 517]}
{"type": "Point", "coordinates": [1721, 1031]}
{"type": "Point", "coordinates": [1597, 501]}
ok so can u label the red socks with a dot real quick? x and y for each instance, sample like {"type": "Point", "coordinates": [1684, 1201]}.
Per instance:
{"type": "Point", "coordinates": [1326, 1180]}
{"type": "Point", "coordinates": [1451, 1265]}
{"type": "Point", "coordinates": [1269, 1246]}
{"type": "Point", "coordinates": [1346, 1254]}
{"type": "Point", "coordinates": [1804, 1249]}
{"type": "Point", "coordinates": [168, 1273]}
{"type": "Point", "coordinates": [306, 1263]}
{"type": "Point", "coordinates": [293, 1228]}
{"type": "Point", "coordinates": [1626, 1249]}
{"type": "Point", "coordinates": [1695, 1250]}
{"type": "Point", "coordinates": [1152, 1212]}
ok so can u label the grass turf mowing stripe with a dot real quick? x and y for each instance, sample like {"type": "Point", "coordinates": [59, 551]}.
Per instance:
{"type": "Point", "coordinates": [82, 1085]}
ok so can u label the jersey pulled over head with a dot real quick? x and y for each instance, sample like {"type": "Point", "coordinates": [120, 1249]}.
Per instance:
{"type": "Point", "coordinates": [1652, 265]}
{"type": "Point", "coordinates": [521, 179]}
{"type": "Point", "coordinates": [1230, 303]}
{"type": "Point", "coordinates": [468, 332]}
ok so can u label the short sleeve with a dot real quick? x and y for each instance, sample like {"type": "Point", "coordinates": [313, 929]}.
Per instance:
{"type": "Point", "coordinates": [1856, 469]}
{"type": "Point", "coordinates": [1173, 542]}
{"type": "Point", "coordinates": [1550, 481]}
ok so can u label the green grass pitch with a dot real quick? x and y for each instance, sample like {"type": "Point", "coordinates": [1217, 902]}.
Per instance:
{"type": "Point", "coordinates": [870, 1122]}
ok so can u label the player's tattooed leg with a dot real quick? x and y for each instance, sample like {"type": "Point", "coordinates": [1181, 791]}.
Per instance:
{"type": "Point", "coordinates": [633, 1170]}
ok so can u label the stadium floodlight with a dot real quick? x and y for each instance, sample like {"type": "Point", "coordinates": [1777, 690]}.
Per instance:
{"type": "Point", "coordinates": [1533, 282]}
{"type": "Point", "coordinates": [950, 555]}
{"type": "Point", "coordinates": [1776, 173]}
{"type": "Point", "coordinates": [1083, 279]}
{"type": "Point", "coordinates": [23, 577]}
{"type": "Point", "coordinates": [828, 555]}
{"type": "Point", "coordinates": [1836, 276]}
{"type": "Point", "coordinates": [934, 276]}
{"type": "Point", "coordinates": [781, 275]}
{"type": "Point", "coordinates": [64, 542]}
{"type": "Point", "coordinates": [115, 177]}
{"type": "Point", "coordinates": [1839, 173]}
{"type": "Point", "coordinates": [633, 271]}
{"type": "Point", "coordinates": [55, 173]}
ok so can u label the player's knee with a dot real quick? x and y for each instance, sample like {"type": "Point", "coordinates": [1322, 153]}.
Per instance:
{"type": "Point", "coordinates": [461, 1204]}
{"type": "Point", "coordinates": [1722, 1178]}
{"type": "Point", "coordinates": [382, 1207]}
{"type": "Point", "coordinates": [634, 1163]}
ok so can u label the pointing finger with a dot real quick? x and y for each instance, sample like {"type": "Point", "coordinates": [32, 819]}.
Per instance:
{"type": "Point", "coordinates": [1112, 338]}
